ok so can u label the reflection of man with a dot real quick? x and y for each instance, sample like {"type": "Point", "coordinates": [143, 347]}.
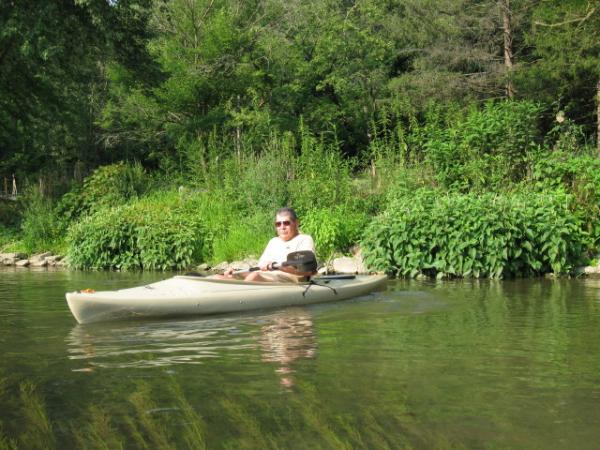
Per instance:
{"type": "Point", "coordinates": [288, 338]}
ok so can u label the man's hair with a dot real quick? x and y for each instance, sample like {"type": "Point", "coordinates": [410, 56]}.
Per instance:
{"type": "Point", "coordinates": [287, 212]}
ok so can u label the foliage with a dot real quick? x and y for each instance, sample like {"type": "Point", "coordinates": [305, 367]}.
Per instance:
{"type": "Point", "coordinates": [8, 236]}
{"type": "Point", "coordinates": [161, 233]}
{"type": "Point", "coordinates": [468, 235]}
{"type": "Point", "coordinates": [334, 229]}
{"type": "Point", "coordinates": [565, 54]}
{"type": "Point", "coordinates": [485, 148]}
{"type": "Point", "coordinates": [321, 177]}
{"type": "Point", "coordinates": [577, 173]}
{"type": "Point", "coordinates": [10, 213]}
{"type": "Point", "coordinates": [333, 108]}
{"type": "Point", "coordinates": [245, 237]}
{"type": "Point", "coordinates": [41, 229]}
{"type": "Point", "coordinates": [109, 185]}
{"type": "Point", "coordinates": [52, 85]}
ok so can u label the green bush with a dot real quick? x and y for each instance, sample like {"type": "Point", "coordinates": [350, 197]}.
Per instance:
{"type": "Point", "coordinates": [321, 175]}
{"type": "Point", "coordinates": [334, 229]}
{"type": "Point", "coordinates": [41, 229]}
{"type": "Point", "coordinates": [576, 173]}
{"type": "Point", "coordinates": [107, 186]}
{"type": "Point", "coordinates": [8, 236]}
{"type": "Point", "coordinates": [246, 236]}
{"type": "Point", "coordinates": [10, 213]}
{"type": "Point", "coordinates": [156, 233]}
{"type": "Point", "coordinates": [464, 235]}
{"type": "Point", "coordinates": [486, 148]}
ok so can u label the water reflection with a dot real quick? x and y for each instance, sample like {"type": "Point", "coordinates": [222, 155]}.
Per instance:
{"type": "Point", "coordinates": [288, 337]}
{"type": "Point", "coordinates": [281, 337]}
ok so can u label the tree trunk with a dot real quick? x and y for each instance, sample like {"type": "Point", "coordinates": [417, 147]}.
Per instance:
{"type": "Point", "coordinates": [508, 53]}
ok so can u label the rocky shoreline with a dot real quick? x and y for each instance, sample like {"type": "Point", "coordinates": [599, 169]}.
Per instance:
{"type": "Point", "coordinates": [344, 264]}
{"type": "Point", "coordinates": [47, 259]}
{"type": "Point", "coordinates": [341, 265]}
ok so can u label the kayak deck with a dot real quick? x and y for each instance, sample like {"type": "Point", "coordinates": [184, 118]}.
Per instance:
{"type": "Point", "coordinates": [192, 295]}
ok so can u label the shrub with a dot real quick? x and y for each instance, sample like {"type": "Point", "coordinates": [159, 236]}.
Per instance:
{"type": "Point", "coordinates": [245, 237]}
{"type": "Point", "coordinates": [321, 175]}
{"type": "Point", "coordinates": [107, 186]}
{"type": "Point", "coordinates": [578, 174]}
{"type": "Point", "coordinates": [41, 229]}
{"type": "Point", "coordinates": [486, 148]}
{"type": "Point", "coordinates": [10, 213]}
{"type": "Point", "coordinates": [467, 235]}
{"type": "Point", "coordinates": [150, 234]}
{"type": "Point", "coordinates": [333, 229]}
{"type": "Point", "coordinates": [8, 236]}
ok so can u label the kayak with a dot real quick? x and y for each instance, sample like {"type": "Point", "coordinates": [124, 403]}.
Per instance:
{"type": "Point", "coordinates": [190, 295]}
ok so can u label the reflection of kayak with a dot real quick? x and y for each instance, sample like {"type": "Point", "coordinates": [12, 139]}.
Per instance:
{"type": "Point", "coordinates": [192, 295]}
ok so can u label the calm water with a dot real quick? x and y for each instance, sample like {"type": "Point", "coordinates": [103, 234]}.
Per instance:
{"type": "Point", "coordinates": [489, 365]}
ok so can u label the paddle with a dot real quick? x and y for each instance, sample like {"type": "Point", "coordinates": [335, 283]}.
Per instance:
{"type": "Point", "coordinates": [303, 261]}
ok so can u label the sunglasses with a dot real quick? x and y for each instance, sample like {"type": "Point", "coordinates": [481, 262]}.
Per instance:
{"type": "Point", "coordinates": [283, 223]}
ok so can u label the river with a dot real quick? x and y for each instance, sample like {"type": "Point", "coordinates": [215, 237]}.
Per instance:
{"type": "Point", "coordinates": [424, 365]}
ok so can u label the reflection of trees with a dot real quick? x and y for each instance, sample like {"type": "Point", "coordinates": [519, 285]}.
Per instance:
{"type": "Point", "coordinates": [288, 337]}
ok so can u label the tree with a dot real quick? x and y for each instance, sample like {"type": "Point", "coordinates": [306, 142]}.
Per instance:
{"type": "Point", "coordinates": [565, 68]}
{"type": "Point", "coordinates": [53, 54]}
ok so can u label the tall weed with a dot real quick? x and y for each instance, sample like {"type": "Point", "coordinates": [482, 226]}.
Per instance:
{"type": "Point", "coordinates": [322, 176]}
{"type": "Point", "coordinates": [41, 229]}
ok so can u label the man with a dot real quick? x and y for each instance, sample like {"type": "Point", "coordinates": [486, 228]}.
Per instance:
{"type": "Point", "coordinates": [288, 239]}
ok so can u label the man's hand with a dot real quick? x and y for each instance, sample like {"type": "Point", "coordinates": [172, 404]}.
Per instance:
{"type": "Point", "coordinates": [267, 267]}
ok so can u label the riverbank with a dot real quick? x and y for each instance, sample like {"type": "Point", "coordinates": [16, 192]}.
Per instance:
{"type": "Point", "coordinates": [439, 216]}
{"type": "Point", "coordinates": [341, 264]}
{"type": "Point", "coordinates": [47, 259]}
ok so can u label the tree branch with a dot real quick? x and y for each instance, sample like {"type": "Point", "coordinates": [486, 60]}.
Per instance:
{"type": "Point", "coordinates": [567, 22]}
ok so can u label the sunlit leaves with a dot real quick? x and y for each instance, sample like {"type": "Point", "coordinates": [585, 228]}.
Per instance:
{"type": "Point", "coordinates": [464, 235]}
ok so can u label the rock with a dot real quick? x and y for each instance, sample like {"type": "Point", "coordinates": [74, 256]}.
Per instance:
{"type": "Point", "coordinates": [63, 262]}
{"type": "Point", "coordinates": [239, 265]}
{"type": "Point", "coordinates": [347, 264]}
{"type": "Point", "coordinates": [22, 263]}
{"type": "Point", "coordinates": [10, 259]}
{"type": "Point", "coordinates": [52, 260]}
{"type": "Point", "coordinates": [203, 267]}
{"type": "Point", "coordinates": [40, 257]}
{"type": "Point", "coordinates": [221, 267]}
{"type": "Point", "coordinates": [38, 262]}
{"type": "Point", "coordinates": [17, 255]}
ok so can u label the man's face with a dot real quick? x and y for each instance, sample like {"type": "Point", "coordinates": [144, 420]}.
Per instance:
{"type": "Point", "coordinates": [286, 227]}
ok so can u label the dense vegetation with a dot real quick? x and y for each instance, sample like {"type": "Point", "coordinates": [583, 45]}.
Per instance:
{"type": "Point", "coordinates": [167, 133]}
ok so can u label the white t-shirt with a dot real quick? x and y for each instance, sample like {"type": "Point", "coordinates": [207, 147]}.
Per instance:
{"type": "Point", "coordinates": [278, 249]}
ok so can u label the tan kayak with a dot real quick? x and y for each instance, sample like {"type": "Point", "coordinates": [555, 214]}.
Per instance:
{"type": "Point", "coordinates": [192, 295]}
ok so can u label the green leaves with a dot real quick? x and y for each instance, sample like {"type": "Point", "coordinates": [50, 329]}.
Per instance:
{"type": "Point", "coordinates": [159, 235]}
{"type": "Point", "coordinates": [464, 235]}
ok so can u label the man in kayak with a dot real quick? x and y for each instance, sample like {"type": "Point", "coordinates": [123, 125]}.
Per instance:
{"type": "Point", "coordinates": [288, 240]}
